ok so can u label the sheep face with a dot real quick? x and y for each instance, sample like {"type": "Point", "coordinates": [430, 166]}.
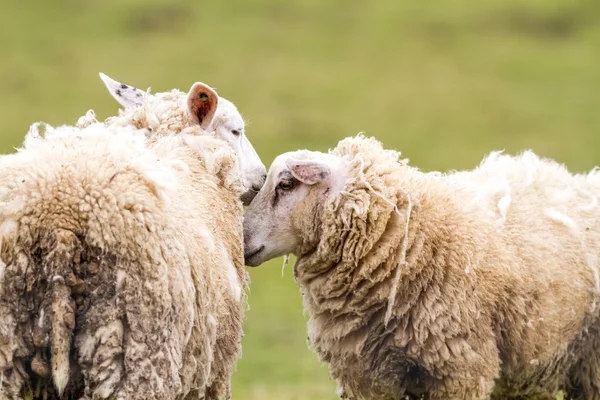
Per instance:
{"type": "Point", "coordinates": [228, 125]}
{"type": "Point", "coordinates": [297, 186]}
{"type": "Point", "coordinates": [215, 115]}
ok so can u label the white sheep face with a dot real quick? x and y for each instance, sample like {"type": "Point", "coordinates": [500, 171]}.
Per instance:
{"type": "Point", "coordinates": [297, 184]}
{"type": "Point", "coordinates": [228, 125]}
{"type": "Point", "coordinates": [225, 122]}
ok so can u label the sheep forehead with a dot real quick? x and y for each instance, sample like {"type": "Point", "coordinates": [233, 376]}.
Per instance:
{"type": "Point", "coordinates": [279, 164]}
{"type": "Point", "coordinates": [228, 114]}
{"type": "Point", "coordinates": [227, 105]}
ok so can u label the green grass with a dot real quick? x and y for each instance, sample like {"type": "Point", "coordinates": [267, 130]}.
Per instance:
{"type": "Point", "coordinates": [444, 81]}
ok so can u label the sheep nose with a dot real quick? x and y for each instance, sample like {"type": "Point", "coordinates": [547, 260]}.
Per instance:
{"type": "Point", "coordinates": [256, 187]}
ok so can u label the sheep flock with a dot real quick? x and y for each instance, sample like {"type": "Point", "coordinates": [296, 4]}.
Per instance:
{"type": "Point", "coordinates": [123, 244]}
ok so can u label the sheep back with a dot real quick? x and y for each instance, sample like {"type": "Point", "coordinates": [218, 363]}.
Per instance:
{"type": "Point", "coordinates": [151, 269]}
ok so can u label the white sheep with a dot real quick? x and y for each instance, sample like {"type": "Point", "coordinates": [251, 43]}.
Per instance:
{"type": "Point", "coordinates": [121, 273]}
{"type": "Point", "coordinates": [417, 286]}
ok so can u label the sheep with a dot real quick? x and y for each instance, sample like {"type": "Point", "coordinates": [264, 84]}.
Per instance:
{"type": "Point", "coordinates": [162, 114]}
{"type": "Point", "coordinates": [413, 288]}
{"type": "Point", "coordinates": [121, 273]}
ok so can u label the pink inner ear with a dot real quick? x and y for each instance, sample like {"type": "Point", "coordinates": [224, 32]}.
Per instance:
{"type": "Point", "coordinates": [202, 103]}
{"type": "Point", "coordinates": [201, 107]}
{"type": "Point", "coordinates": [309, 173]}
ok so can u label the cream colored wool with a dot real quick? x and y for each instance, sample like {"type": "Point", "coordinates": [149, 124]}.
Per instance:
{"type": "Point", "coordinates": [145, 241]}
{"type": "Point", "coordinates": [419, 283]}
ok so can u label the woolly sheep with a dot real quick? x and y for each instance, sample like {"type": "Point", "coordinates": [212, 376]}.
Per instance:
{"type": "Point", "coordinates": [162, 114]}
{"type": "Point", "coordinates": [122, 265]}
{"type": "Point", "coordinates": [414, 287]}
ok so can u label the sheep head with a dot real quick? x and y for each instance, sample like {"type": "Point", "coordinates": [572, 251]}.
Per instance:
{"type": "Point", "coordinates": [201, 108]}
{"type": "Point", "coordinates": [284, 213]}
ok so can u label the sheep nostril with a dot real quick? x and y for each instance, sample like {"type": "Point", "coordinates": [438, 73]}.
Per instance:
{"type": "Point", "coordinates": [256, 188]}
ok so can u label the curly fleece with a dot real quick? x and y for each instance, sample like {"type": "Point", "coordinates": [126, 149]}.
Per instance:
{"type": "Point", "coordinates": [122, 266]}
{"type": "Point", "coordinates": [414, 288]}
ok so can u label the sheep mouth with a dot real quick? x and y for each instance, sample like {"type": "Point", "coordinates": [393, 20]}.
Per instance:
{"type": "Point", "coordinates": [248, 257]}
{"type": "Point", "coordinates": [248, 196]}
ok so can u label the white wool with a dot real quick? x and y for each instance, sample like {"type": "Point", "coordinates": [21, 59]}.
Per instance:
{"type": "Point", "coordinates": [593, 200]}
{"type": "Point", "coordinates": [530, 161]}
{"type": "Point", "coordinates": [563, 219]}
{"type": "Point", "coordinates": [232, 277]}
{"type": "Point", "coordinates": [35, 132]}
{"type": "Point", "coordinates": [123, 139]}
{"type": "Point", "coordinates": [162, 179]}
{"type": "Point", "coordinates": [120, 278]}
{"type": "Point", "coordinates": [41, 319]}
{"type": "Point", "coordinates": [234, 282]}
{"type": "Point", "coordinates": [493, 157]}
{"type": "Point", "coordinates": [504, 203]}
{"type": "Point", "coordinates": [211, 320]}
{"type": "Point", "coordinates": [574, 229]}
{"type": "Point", "coordinates": [86, 120]}
{"type": "Point", "coordinates": [498, 163]}
{"type": "Point", "coordinates": [86, 346]}
{"type": "Point", "coordinates": [468, 268]}
{"type": "Point", "coordinates": [208, 239]}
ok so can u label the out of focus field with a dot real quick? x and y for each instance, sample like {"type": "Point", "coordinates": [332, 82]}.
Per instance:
{"type": "Point", "coordinates": [445, 82]}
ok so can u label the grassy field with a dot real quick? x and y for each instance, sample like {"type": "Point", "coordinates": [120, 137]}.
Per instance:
{"type": "Point", "coordinates": [444, 82]}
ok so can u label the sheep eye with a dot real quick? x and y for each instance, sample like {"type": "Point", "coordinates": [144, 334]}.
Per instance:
{"type": "Point", "coordinates": [236, 132]}
{"type": "Point", "coordinates": [287, 185]}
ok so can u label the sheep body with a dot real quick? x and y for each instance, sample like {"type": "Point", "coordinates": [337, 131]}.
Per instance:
{"type": "Point", "coordinates": [143, 240]}
{"type": "Point", "coordinates": [424, 283]}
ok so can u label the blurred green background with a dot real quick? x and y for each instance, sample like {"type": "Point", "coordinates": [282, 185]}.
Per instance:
{"type": "Point", "coordinates": [443, 81]}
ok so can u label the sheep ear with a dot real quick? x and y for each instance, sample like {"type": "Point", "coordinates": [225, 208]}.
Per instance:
{"type": "Point", "coordinates": [309, 172]}
{"type": "Point", "coordinates": [126, 95]}
{"type": "Point", "coordinates": [202, 103]}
